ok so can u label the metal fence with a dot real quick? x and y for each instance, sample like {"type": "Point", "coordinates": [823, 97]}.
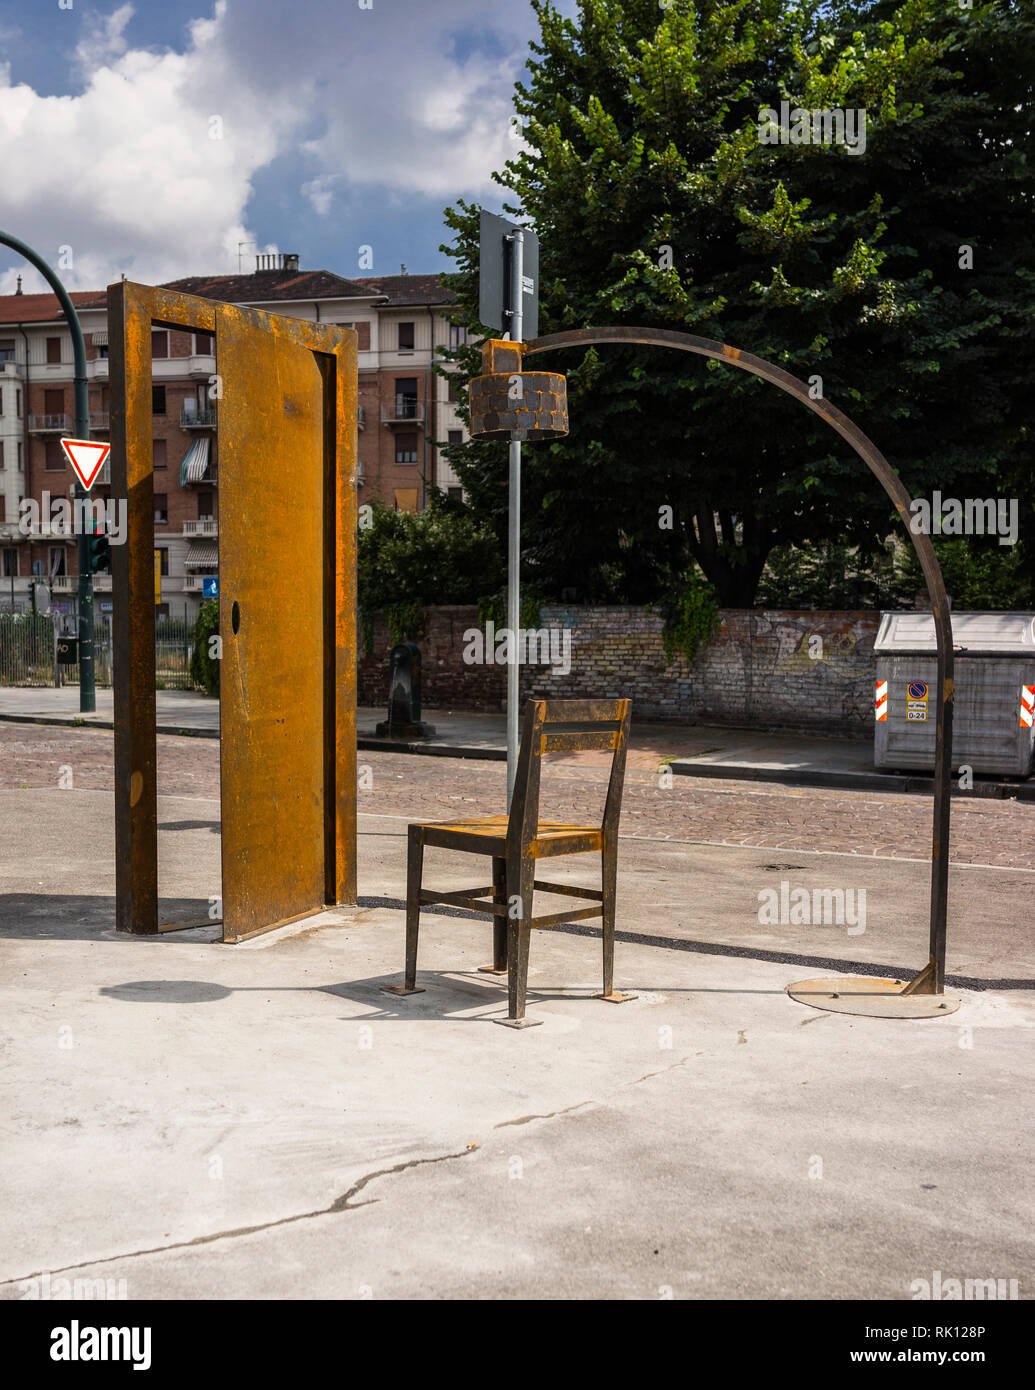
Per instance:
{"type": "Point", "coordinates": [28, 650]}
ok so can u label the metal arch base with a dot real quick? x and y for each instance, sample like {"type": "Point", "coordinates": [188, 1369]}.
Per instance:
{"type": "Point", "coordinates": [871, 997]}
{"type": "Point", "coordinates": [930, 981]}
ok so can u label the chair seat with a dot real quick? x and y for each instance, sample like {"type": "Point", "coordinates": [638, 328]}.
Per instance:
{"type": "Point", "coordinates": [488, 835]}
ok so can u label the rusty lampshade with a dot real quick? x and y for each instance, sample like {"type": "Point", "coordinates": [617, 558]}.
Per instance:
{"type": "Point", "coordinates": [507, 399]}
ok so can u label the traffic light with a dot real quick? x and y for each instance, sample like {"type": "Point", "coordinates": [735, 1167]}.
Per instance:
{"type": "Point", "coordinates": [98, 550]}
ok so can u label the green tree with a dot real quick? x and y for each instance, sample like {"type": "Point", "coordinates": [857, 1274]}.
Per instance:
{"type": "Point", "coordinates": [657, 204]}
{"type": "Point", "coordinates": [204, 666]}
{"type": "Point", "coordinates": [408, 560]}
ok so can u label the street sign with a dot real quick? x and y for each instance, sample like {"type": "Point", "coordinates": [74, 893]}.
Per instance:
{"type": "Point", "coordinates": [87, 458]}
{"type": "Point", "coordinates": [494, 276]}
{"type": "Point", "coordinates": [210, 586]}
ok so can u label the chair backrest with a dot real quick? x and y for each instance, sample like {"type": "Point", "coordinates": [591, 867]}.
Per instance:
{"type": "Point", "coordinates": [567, 726]}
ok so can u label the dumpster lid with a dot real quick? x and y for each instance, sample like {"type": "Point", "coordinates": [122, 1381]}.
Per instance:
{"type": "Point", "coordinates": [973, 634]}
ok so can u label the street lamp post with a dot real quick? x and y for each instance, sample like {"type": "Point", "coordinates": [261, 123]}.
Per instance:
{"type": "Point", "coordinates": [87, 690]}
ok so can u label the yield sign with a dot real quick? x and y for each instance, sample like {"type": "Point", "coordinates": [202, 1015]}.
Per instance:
{"type": "Point", "coordinates": [86, 456]}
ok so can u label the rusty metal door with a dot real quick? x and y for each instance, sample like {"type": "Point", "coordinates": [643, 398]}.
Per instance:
{"type": "Point", "coordinates": [287, 529]}
{"type": "Point", "coordinates": [272, 596]}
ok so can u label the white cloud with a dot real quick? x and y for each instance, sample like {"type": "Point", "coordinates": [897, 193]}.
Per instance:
{"type": "Point", "coordinates": [406, 99]}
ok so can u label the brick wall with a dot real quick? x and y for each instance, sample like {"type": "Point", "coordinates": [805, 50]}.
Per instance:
{"type": "Point", "coordinates": [763, 670]}
{"type": "Point", "coordinates": [446, 682]}
{"type": "Point", "coordinates": [756, 672]}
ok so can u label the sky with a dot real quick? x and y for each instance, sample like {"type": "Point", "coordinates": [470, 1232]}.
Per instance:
{"type": "Point", "coordinates": [165, 138]}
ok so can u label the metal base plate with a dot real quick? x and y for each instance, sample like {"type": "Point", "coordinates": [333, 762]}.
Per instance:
{"type": "Point", "coordinates": [401, 989]}
{"type": "Point", "coordinates": [491, 970]}
{"type": "Point", "coordinates": [871, 997]}
{"type": "Point", "coordinates": [616, 997]}
{"type": "Point", "coordinates": [518, 1022]}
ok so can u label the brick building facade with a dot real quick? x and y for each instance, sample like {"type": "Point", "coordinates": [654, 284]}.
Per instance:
{"type": "Point", "coordinates": [405, 413]}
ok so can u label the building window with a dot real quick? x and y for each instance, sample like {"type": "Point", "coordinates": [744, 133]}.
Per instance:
{"type": "Point", "coordinates": [159, 342]}
{"type": "Point", "coordinates": [158, 453]}
{"type": "Point", "coordinates": [53, 402]}
{"type": "Point", "coordinates": [102, 352]}
{"type": "Point", "coordinates": [163, 559]}
{"type": "Point", "coordinates": [406, 336]}
{"type": "Point", "coordinates": [157, 400]}
{"type": "Point", "coordinates": [457, 334]}
{"type": "Point", "coordinates": [53, 349]}
{"type": "Point", "coordinates": [406, 398]}
{"type": "Point", "coordinates": [205, 504]}
{"type": "Point", "coordinates": [161, 508]}
{"type": "Point", "coordinates": [19, 453]}
{"type": "Point", "coordinates": [203, 344]}
{"type": "Point", "coordinates": [56, 561]}
{"type": "Point", "coordinates": [405, 499]}
{"type": "Point", "coordinates": [451, 392]}
{"type": "Point", "coordinates": [406, 447]}
{"type": "Point", "coordinates": [11, 564]}
{"type": "Point", "coordinates": [1, 400]}
{"type": "Point", "coordinates": [3, 508]}
{"type": "Point", "coordinates": [53, 456]}
{"type": "Point", "coordinates": [363, 336]}
{"type": "Point", "coordinates": [161, 610]}
{"type": "Point", "coordinates": [3, 455]}
{"type": "Point", "coordinates": [18, 403]}
{"type": "Point", "coordinates": [6, 349]}
{"type": "Point", "coordinates": [456, 494]}
{"type": "Point", "coordinates": [455, 437]}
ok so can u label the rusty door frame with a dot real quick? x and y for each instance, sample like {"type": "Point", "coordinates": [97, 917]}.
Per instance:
{"type": "Point", "coordinates": [133, 310]}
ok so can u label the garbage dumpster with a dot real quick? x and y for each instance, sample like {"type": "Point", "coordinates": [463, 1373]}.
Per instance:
{"type": "Point", "coordinates": [993, 728]}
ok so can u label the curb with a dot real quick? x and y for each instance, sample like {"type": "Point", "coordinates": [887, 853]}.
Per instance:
{"type": "Point", "coordinates": [848, 781]}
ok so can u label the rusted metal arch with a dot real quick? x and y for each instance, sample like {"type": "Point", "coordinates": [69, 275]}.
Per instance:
{"type": "Point", "coordinates": [931, 979]}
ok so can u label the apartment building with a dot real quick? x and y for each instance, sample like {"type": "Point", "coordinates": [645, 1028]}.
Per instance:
{"type": "Point", "coordinates": [405, 411]}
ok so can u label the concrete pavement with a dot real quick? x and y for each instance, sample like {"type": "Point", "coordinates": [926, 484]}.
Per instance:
{"type": "Point", "coordinates": [261, 1121]}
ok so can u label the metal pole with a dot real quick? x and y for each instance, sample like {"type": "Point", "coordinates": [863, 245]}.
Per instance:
{"type": "Point", "coordinates": [87, 692]}
{"type": "Point", "coordinates": [514, 529]}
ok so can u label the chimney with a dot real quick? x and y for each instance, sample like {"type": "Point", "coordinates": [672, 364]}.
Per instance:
{"type": "Point", "coordinates": [19, 289]}
{"type": "Point", "coordinates": [277, 260]}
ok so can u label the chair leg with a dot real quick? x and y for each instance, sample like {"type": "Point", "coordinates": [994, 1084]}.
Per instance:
{"type": "Point", "coordinates": [499, 923]}
{"type": "Point", "coordinates": [609, 885]}
{"type": "Point", "coordinates": [520, 883]}
{"type": "Point", "coordinates": [414, 876]}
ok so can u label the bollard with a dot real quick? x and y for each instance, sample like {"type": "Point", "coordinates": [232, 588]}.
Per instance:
{"type": "Point", "coordinates": [404, 721]}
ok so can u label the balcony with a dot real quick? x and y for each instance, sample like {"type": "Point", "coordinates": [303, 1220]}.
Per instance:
{"type": "Point", "coordinates": [204, 526]}
{"type": "Point", "coordinates": [404, 409]}
{"type": "Point", "coordinates": [198, 418]}
{"type": "Point", "coordinates": [97, 370]}
{"type": "Point", "coordinates": [50, 424]}
{"type": "Point", "coordinates": [69, 584]}
{"type": "Point", "coordinates": [100, 420]}
{"type": "Point", "coordinates": [8, 367]}
{"type": "Point", "coordinates": [203, 364]}
{"type": "Point", "coordinates": [195, 583]}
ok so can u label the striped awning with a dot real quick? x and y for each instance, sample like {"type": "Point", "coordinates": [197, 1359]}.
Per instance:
{"type": "Point", "coordinates": [192, 469]}
{"type": "Point", "coordinates": [100, 338]}
{"type": "Point", "coordinates": [204, 553]}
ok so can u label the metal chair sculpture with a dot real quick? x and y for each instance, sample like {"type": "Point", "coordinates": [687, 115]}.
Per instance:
{"type": "Point", "coordinates": [516, 843]}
